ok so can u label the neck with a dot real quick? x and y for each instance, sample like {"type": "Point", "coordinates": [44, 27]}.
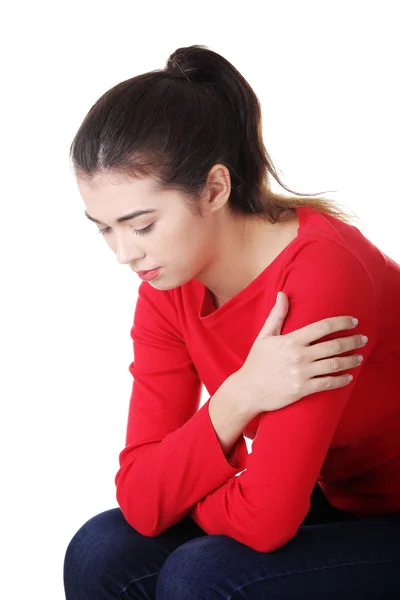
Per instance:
{"type": "Point", "coordinates": [243, 251]}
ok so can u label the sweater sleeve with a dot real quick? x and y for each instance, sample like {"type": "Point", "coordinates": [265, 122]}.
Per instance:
{"type": "Point", "coordinates": [172, 456]}
{"type": "Point", "coordinates": [265, 505]}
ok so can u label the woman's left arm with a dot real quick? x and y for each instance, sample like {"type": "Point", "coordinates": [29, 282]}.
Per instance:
{"type": "Point", "coordinates": [264, 506]}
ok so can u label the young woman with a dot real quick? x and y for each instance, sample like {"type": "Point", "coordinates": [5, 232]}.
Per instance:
{"type": "Point", "coordinates": [171, 166]}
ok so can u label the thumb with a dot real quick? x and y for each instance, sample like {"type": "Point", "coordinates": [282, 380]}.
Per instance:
{"type": "Point", "coordinates": [274, 322]}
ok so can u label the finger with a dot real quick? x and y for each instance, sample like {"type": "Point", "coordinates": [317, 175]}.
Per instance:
{"type": "Point", "coordinates": [274, 322]}
{"type": "Point", "coordinates": [325, 349]}
{"type": "Point", "coordinates": [314, 331]}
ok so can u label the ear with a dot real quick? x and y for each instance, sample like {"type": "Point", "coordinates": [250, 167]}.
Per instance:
{"type": "Point", "coordinates": [217, 188]}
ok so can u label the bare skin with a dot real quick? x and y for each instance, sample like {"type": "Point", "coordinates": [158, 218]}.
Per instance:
{"type": "Point", "coordinates": [223, 251]}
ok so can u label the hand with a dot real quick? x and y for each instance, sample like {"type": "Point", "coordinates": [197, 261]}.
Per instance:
{"type": "Point", "coordinates": [281, 369]}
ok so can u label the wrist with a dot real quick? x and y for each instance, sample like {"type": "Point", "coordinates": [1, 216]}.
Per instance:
{"type": "Point", "coordinates": [240, 399]}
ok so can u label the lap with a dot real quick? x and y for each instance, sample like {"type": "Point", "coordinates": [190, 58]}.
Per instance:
{"type": "Point", "coordinates": [109, 559]}
{"type": "Point", "coordinates": [328, 558]}
{"type": "Point", "coordinates": [349, 559]}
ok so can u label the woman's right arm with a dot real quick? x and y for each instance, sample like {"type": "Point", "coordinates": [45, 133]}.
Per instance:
{"type": "Point", "coordinates": [175, 454]}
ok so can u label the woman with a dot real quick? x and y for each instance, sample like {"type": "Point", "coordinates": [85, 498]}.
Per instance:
{"type": "Point", "coordinates": [313, 511]}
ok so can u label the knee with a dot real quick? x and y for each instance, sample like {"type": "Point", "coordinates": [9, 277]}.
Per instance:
{"type": "Point", "coordinates": [87, 557]}
{"type": "Point", "coordinates": [189, 572]}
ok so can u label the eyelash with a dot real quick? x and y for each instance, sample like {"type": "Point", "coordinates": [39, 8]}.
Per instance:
{"type": "Point", "coordinates": [137, 232]}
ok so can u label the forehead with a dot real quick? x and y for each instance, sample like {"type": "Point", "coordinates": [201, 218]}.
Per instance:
{"type": "Point", "coordinates": [107, 198]}
{"type": "Point", "coordinates": [116, 185]}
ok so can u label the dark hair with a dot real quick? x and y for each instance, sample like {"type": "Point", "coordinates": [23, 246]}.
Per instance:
{"type": "Point", "coordinates": [174, 124]}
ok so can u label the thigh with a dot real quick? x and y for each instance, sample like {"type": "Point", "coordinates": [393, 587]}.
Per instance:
{"type": "Point", "coordinates": [109, 559]}
{"type": "Point", "coordinates": [346, 560]}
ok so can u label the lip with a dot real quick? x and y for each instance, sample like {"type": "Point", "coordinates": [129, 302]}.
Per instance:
{"type": "Point", "coordinates": [148, 275]}
{"type": "Point", "coordinates": [145, 272]}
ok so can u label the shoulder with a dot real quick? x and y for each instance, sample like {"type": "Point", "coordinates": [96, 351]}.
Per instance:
{"type": "Point", "coordinates": [328, 257]}
{"type": "Point", "coordinates": [324, 278]}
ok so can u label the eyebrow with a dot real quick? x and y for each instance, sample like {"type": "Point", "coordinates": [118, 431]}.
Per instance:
{"type": "Point", "coordinates": [133, 215]}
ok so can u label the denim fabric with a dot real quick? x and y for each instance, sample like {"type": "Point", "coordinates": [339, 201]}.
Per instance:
{"type": "Point", "coordinates": [334, 555]}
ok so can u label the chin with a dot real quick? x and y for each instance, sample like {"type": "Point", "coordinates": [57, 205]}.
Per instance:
{"type": "Point", "coordinates": [162, 283]}
{"type": "Point", "coordinates": [162, 286]}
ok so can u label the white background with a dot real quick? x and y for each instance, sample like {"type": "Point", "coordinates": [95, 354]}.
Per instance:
{"type": "Point", "coordinates": [326, 75]}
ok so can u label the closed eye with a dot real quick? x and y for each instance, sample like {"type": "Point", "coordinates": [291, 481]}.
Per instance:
{"type": "Point", "coordinates": [135, 231]}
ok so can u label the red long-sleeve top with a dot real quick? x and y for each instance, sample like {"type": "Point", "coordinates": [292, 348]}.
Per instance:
{"type": "Point", "coordinates": [347, 439]}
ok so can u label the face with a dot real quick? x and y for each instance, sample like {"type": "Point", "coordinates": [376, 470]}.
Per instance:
{"type": "Point", "coordinates": [171, 237]}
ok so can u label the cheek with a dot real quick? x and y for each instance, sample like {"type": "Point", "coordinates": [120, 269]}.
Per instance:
{"type": "Point", "coordinates": [183, 239]}
{"type": "Point", "coordinates": [186, 244]}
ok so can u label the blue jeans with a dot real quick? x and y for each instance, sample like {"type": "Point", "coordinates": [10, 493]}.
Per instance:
{"type": "Point", "coordinates": [334, 555]}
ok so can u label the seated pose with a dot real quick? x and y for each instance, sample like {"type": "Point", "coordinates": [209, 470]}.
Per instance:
{"type": "Point", "coordinates": [268, 301]}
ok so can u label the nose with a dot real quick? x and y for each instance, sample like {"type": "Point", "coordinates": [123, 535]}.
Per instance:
{"type": "Point", "coordinates": [127, 259]}
{"type": "Point", "coordinates": [126, 253]}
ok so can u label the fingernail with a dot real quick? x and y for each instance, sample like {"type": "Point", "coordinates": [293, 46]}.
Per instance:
{"type": "Point", "coordinates": [355, 321]}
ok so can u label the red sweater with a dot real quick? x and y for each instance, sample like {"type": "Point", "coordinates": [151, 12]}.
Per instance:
{"type": "Point", "coordinates": [347, 439]}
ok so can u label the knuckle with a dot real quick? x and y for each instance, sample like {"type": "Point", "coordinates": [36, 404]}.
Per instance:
{"type": "Point", "coordinates": [334, 363]}
{"type": "Point", "coordinates": [296, 386]}
{"type": "Point", "coordinates": [290, 341]}
{"type": "Point", "coordinates": [295, 374]}
{"type": "Point", "coordinates": [326, 326]}
{"type": "Point", "coordinates": [336, 346]}
{"type": "Point", "coordinates": [296, 356]}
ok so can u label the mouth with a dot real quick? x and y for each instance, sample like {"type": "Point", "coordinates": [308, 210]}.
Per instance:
{"type": "Point", "coordinates": [148, 275]}
{"type": "Point", "coordinates": [145, 272]}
